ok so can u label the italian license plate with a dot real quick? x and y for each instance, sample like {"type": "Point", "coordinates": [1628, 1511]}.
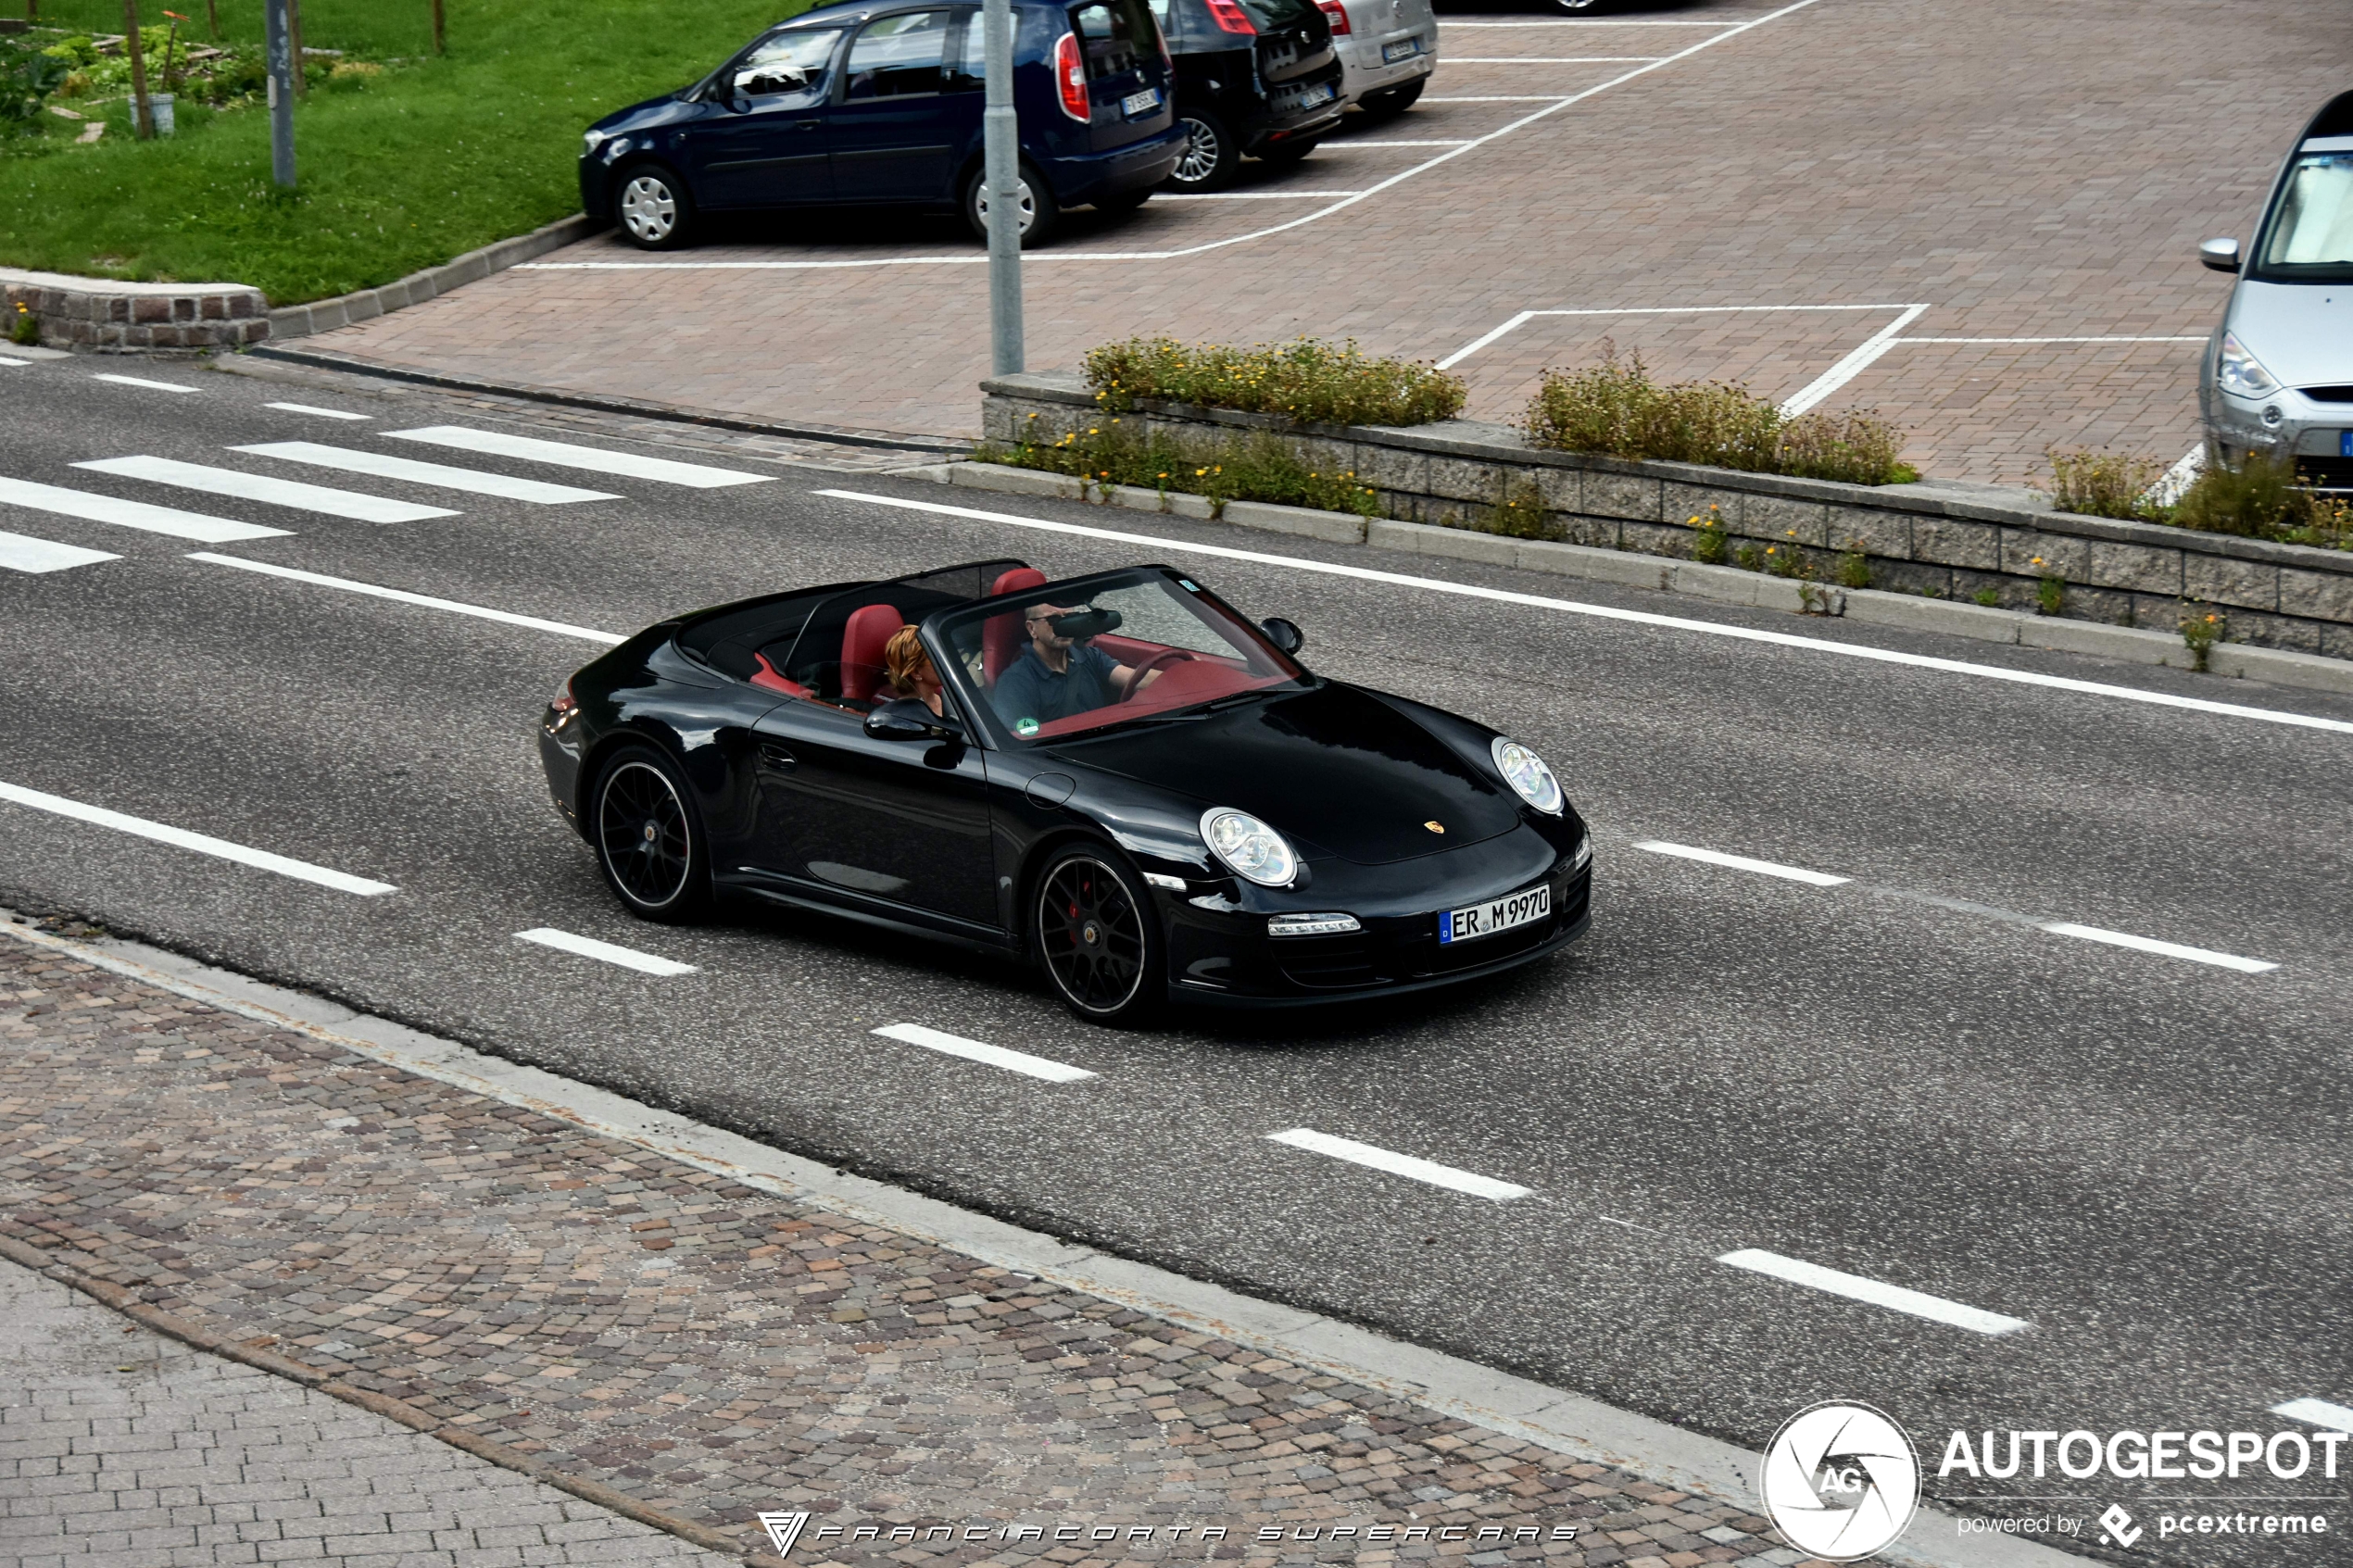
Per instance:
{"type": "Point", "coordinates": [1137, 102]}
{"type": "Point", "coordinates": [1476, 921]}
{"type": "Point", "coordinates": [1405, 48]}
{"type": "Point", "coordinates": [1308, 98]}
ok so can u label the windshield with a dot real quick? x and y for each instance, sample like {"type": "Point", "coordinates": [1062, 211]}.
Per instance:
{"type": "Point", "coordinates": [1062, 660]}
{"type": "Point", "coordinates": [2309, 237]}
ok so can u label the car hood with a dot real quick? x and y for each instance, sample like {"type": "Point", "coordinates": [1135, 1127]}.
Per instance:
{"type": "Point", "coordinates": [667, 109]}
{"type": "Point", "coordinates": [2302, 333]}
{"type": "Point", "coordinates": [1335, 769]}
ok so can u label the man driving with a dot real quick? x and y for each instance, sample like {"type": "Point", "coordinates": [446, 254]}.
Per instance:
{"type": "Point", "coordinates": [1057, 676]}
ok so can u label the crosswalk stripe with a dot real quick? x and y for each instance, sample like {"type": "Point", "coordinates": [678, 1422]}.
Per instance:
{"type": "Point", "coordinates": [7, 360]}
{"type": "Point", "coordinates": [19, 553]}
{"type": "Point", "coordinates": [384, 466]}
{"type": "Point", "coordinates": [595, 459]}
{"type": "Point", "coordinates": [141, 381]}
{"type": "Point", "coordinates": [140, 515]}
{"type": "Point", "coordinates": [269, 492]}
{"type": "Point", "coordinates": [322, 413]}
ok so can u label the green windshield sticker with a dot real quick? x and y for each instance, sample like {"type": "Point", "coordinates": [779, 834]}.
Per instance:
{"type": "Point", "coordinates": [1024, 727]}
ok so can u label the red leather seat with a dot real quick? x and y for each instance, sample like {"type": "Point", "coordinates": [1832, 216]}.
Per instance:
{"type": "Point", "coordinates": [1001, 636]}
{"type": "Point", "coordinates": [870, 627]}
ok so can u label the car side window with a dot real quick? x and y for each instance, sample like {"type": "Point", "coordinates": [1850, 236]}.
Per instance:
{"type": "Point", "coordinates": [968, 58]}
{"type": "Point", "coordinates": [900, 57]}
{"type": "Point", "coordinates": [786, 62]}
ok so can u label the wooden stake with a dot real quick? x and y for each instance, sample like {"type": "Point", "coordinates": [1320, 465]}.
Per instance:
{"type": "Point", "coordinates": [212, 15]}
{"type": "Point", "coordinates": [293, 28]}
{"type": "Point", "coordinates": [436, 27]}
{"type": "Point", "coordinates": [142, 117]}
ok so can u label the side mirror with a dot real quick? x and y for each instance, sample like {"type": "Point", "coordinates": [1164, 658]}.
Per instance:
{"type": "Point", "coordinates": [2220, 255]}
{"type": "Point", "coordinates": [1284, 634]}
{"type": "Point", "coordinates": [897, 726]}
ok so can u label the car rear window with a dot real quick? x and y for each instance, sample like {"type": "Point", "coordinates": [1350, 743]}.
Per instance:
{"type": "Point", "coordinates": [1117, 35]}
{"type": "Point", "coordinates": [1274, 16]}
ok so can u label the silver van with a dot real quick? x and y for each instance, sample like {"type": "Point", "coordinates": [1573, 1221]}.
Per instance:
{"type": "Point", "coordinates": [2278, 375]}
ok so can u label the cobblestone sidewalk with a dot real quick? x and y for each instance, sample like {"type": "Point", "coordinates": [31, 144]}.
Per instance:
{"type": "Point", "coordinates": [576, 1302]}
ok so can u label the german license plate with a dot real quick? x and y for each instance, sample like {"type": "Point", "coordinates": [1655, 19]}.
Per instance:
{"type": "Point", "coordinates": [1475, 921]}
{"type": "Point", "coordinates": [1137, 102]}
{"type": "Point", "coordinates": [1405, 48]}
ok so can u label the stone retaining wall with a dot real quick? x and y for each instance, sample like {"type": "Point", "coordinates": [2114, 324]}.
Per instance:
{"type": "Point", "coordinates": [95, 313]}
{"type": "Point", "coordinates": [1944, 539]}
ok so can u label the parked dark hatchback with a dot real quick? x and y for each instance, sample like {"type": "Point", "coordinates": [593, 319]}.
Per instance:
{"type": "Point", "coordinates": [1253, 76]}
{"type": "Point", "coordinates": [880, 104]}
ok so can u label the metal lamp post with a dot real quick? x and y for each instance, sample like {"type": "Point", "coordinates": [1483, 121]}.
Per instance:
{"type": "Point", "coordinates": [1000, 155]}
{"type": "Point", "coordinates": [281, 47]}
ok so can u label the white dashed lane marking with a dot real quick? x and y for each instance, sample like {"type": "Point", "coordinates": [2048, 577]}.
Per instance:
{"type": "Point", "coordinates": [1400, 1164]}
{"type": "Point", "coordinates": [975, 1050]}
{"type": "Point", "coordinates": [2151, 944]}
{"type": "Point", "coordinates": [21, 553]}
{"type": "Point", "coordinates": [269, 492]}
{"type": "Point", "coordinates": [322, 413]}
{"type": "Point", "coordinates": [1859, 1287]}
{"type": "Point", "coordinates": [426, 601]}
{"type": "Point", "coordinates": [147, 519]}
{"type": "Point", "coordinates": [606, 952]}
{"type": "Point", "coordinates": [1743, 863]}
{"type": "Point", "coordinates": [381, 465]}
{"type": "Point", "coordinates": [2319, 1413]}
{"type": "Point", "coordinates": [203, 843]}
{"type": "Point", "coordinates": [141, 381]}
{"type": "Point", "coordinates": [5, 361]}
{"type": "Point", "coordinates": [595, 460]}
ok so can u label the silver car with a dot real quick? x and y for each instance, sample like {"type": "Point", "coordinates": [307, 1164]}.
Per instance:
{"type": "Point", "coordinates": [1387, 50]}
{"type": "Point", "coordinates": [2278, 375]}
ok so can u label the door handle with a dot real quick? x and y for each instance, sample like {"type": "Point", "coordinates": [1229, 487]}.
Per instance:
{"type": "Point", "coordinates": [804, 125]}
{"type": "Point", "coordinates": [776, 757]}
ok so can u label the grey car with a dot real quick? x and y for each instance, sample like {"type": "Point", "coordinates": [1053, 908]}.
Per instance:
{"type": "Point", "coordinates": [1387, 50]}
{"type": "Point", "coordinates": [2278, 375]}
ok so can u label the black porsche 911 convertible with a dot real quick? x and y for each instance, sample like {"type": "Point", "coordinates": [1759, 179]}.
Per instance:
{"type": "Point", "coordinates": [1116, 774]}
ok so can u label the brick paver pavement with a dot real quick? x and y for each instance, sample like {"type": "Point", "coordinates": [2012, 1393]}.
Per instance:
{"type": "Point", "coordinates": [710, 1349]}
{"type": "Point", "coordinates": [118, 1446]}
{"type": "Point", "coordinates": [2022, 169]}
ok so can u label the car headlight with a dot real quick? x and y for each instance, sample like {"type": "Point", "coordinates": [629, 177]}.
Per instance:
{"type": "Point", "coordinates": [591, 141]}
{"type": "Point", "coordinates": [1248, 847]}
{"type": "Point", "coordinates": [1528, 775]}
{"type": "Point", "coordinates": [1584, 855]}
{"type": "Point", "coordinates": [2241, 373]}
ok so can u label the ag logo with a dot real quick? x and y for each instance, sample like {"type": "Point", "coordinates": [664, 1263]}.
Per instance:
{"type": "Point", "coordinates": [1840, 1481]}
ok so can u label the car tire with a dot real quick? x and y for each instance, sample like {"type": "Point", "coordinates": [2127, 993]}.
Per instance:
{"type": "Point", "coordinates": [1282, 155]}
{"type": "Point", "coordinates": [1039, 211]}
{"type": "Point", "coordinates": [1097, 936]}
{"type": "Point", "coordinates": [1125, 202]}
{"type": "Point", "coordinates": [648, 837]}
{"type": "Point", "coordinates": [1392, 103]}
{"type": "Point", "coordinates": [1211, 158]}
{"type": "Point", "coordinates": [652, 208]}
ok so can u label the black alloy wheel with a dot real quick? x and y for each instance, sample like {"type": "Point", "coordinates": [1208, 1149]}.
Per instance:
{"type": "Point", "coordinates": [1040, 212]}
{"type": "Point", "coordinates": [1099, 938]}
{"type": "Point", "coordinates": [652, 208]}
{"type": "Point", "coordinates": [1210, 157]}
{"type": "Point", "coordinates": [649, 841]}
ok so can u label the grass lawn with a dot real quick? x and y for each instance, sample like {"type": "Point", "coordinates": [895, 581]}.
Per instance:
{"type": "Point", "coordinates": [399, 171]}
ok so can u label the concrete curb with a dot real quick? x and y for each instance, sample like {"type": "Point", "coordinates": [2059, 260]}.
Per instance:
{"type": "Point", "coordinates": [130, 317]}
{"type": "Point", "coordinates": [366, 304]}
{"type": "Point", "coordinates": [1535, 1412]}
{"type": "Point", "coordinates": [173, 1326]}
{"type": "Point", "coordinates": [1721, 584]}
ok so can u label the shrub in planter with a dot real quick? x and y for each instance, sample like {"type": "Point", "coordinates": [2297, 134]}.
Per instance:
{"type": "Point", "coordinates": [2091, 484]}
{"type": "Point", "coordinates": [1244, 466]}
{"type": "Point", "coordinates": [1307, 380]}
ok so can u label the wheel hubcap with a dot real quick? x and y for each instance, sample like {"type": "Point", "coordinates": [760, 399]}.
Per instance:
{"type": "Point", "coordinates": [1201, 154]}
{"type": "Point", "coordinates": [1091, 935]}
{"type": "Point", "coordinates": [1028, 205]}
{"type": "Point", "coordinates": [642, 829]}
{"type": "Point", "coordinates": [649, 209]}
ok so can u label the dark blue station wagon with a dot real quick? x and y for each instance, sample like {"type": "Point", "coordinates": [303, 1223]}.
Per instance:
{"type": "Point", "coordinates": [872, 105]}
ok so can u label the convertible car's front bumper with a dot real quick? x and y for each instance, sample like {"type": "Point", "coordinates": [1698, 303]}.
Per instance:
{"type": "Point", "coordinates": [1223, 956]}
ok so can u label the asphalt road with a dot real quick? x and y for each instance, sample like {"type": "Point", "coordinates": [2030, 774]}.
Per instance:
{"type": "Point", "coordinates": [1901, 1077]}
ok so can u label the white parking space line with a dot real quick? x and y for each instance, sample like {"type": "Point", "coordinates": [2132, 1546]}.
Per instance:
{"type": "Point", "coordinates": [2319, 1413]}
{"type": "Point", "coordinates": [595, 460]}
{"type": "Point", "coordinates": [1552, 59]}
{"type": "Point", "coordinates": [20, 552]}
{"type": "Point", "coordinates": [1398, 1164]}
{"type": "Point", "coordinates": [1597, 21]}
{"type": "Point", "coordinates": [1743, 863]}
{"type": "Point", "coordinates": [1515, 322]}
{"type": "Point", "coordinates": [1862, 358]}
{"type": "Point", "coordinates": [975, 1050]}
{"type": "Point", "coordinates": [267, 491]}
{"type": "Point", "coordinates": [322, 413]}
{"type": "Point", "coordinates": [141, 381]}
{"type": "Point", "coordinates": [1531, 98]}
{"type": "Point", "coordinates": [1245, 195]}
{"type": "Point", "coordinates": [606, 952]}
{"type": "Point", "coordinates": [1859, 1288]}
{"type": "Point", "coordinates": [1359, 146]}
{"type": "Point", "coordinates": [2151, 944]}
{"type": "Point", "coordinates": [5, 361]}
{"type": "Point", "coordinates": [381, 465]}
{"type": "Point", "coordinates": [140, 515]}
{"type": "Point", "coordinates": [402, 596]}
{"type": "Point", "coordinates": [2103, 338]}
{"type": "Point", "coordinates": [1629, 617]}
{"type": "Point", "coordinates": [203, 843]}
